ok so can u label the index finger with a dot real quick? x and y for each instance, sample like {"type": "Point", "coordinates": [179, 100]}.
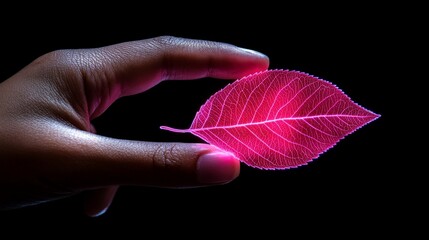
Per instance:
{"type": "Point", "coordinates": [139, 65]}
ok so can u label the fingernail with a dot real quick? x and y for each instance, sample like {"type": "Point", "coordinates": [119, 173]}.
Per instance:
{"type": "Point", "coordinates": [217, 167]}
{"type": "Point", "coordinates": [253, 52]}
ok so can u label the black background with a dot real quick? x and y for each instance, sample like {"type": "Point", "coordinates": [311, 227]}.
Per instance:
{"type": "Point", "coordinates": [352, 181]}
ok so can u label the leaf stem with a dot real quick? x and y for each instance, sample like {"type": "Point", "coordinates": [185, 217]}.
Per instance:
{"type": "Point", "coordinates": [174, 129]}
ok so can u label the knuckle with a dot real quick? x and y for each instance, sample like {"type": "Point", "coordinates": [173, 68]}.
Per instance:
{"type": "Point", "coordinates": [62, 60]}
{"type": "Point", "coordinates": [165, 41]}
{"type": "Point", "coordinates": [166, 157]}
{"type": "Point", "coordinates": [167, 44]}
{"type": "Point", "coordinates": [57, 56]}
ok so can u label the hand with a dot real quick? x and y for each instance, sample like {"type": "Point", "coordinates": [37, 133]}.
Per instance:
{"type": "Point", "coordinates": [49, 149]}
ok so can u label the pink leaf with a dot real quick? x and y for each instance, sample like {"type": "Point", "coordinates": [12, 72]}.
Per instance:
{"type": "Point", "coordinates": [277, 119]}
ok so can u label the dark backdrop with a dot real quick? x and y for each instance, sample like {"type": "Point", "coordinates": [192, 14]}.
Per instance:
{"type": "Point", "coordinates": [349, 182]}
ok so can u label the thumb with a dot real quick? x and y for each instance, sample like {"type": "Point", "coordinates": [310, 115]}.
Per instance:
{"type": "Point", "coordinates": [90, 161]}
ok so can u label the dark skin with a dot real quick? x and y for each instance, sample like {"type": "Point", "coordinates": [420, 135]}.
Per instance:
{"type": "Point", "coordinates": [49, 149]}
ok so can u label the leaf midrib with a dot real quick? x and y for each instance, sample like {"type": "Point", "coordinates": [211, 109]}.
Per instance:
{"type": "Point", "coordinates": [278, 119]}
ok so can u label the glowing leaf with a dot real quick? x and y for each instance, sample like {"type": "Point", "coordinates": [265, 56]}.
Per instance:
{"type": "Point", "coordinates": [277, 119]}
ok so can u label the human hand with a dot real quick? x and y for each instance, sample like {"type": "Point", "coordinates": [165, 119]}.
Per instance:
{"type": "Point", "coordinates": [49, 149]}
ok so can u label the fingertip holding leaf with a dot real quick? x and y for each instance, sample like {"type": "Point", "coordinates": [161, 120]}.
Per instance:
{"type": "Point", "coordinates": [277, 119]}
